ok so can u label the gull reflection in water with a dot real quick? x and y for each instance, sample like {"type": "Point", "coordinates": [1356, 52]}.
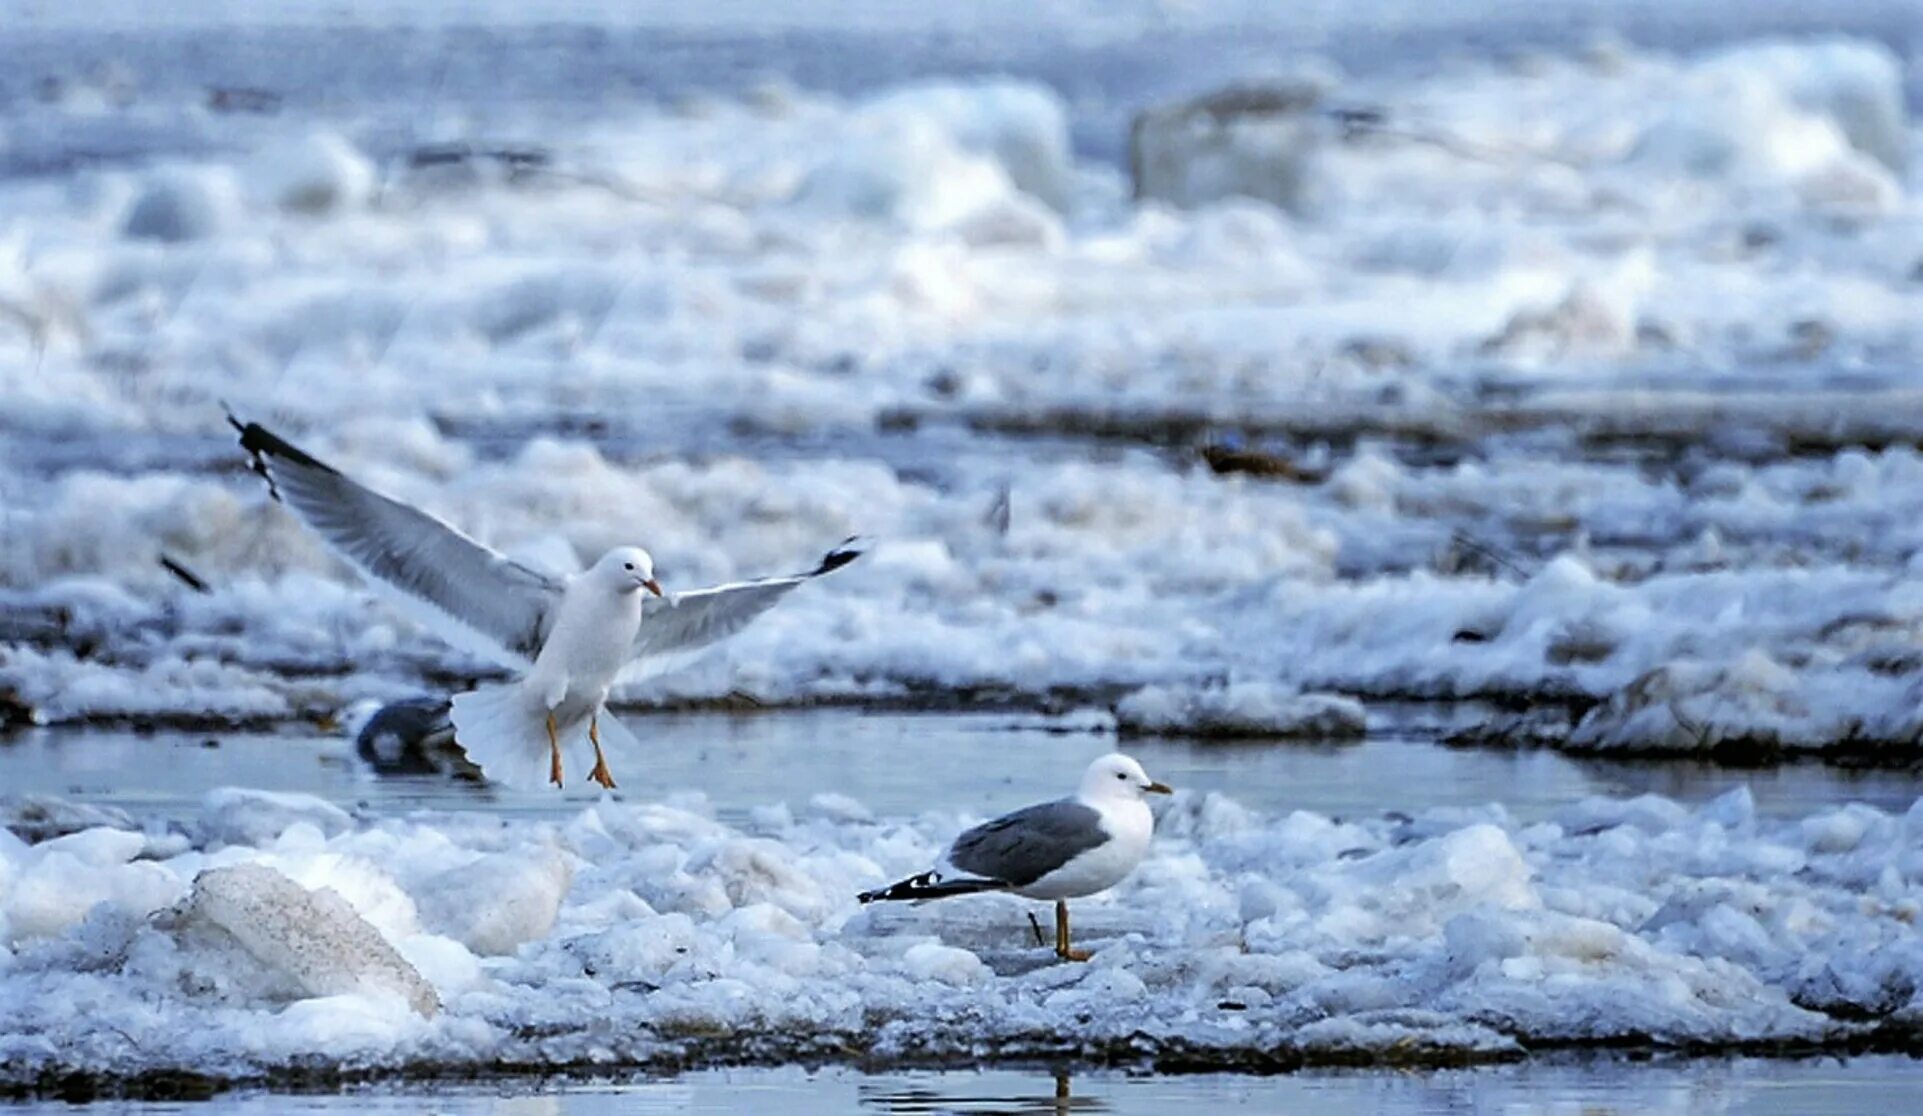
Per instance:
{"type": "Point", "coordinates": [991, 1096]}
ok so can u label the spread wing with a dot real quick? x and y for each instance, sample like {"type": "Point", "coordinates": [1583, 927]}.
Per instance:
{"type": "Point", "coordinates": [1020, 848]}
{"type": "Point", "coordinates": [686, 621]}
{"type": "Point", "coordinates": [468, 589]}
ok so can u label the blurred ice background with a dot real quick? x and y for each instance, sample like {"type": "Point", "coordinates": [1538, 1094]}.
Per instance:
{"type": "Point", "coordinates": [1508, 375]}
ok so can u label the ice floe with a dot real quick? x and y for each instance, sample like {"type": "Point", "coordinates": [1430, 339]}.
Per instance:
{"type": "Point", "coordinates": [655, 934]}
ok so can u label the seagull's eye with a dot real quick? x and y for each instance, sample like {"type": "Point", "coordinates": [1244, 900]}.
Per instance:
{"type": "Point", "coordinates": [1121, 774]}
{"type": "Point", "coordinates": [627, 565]}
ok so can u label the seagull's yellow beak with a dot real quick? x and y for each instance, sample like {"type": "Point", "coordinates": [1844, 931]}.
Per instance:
{"type": "Point", "coordinates": [1159, 788]}
{"type": "Point", "coordinates": [653, 586]}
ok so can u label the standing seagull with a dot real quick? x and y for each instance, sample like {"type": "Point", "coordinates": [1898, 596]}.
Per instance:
{"type": "Point", "coordinates": [1058, 850]}
{"type": "Point", "coordinates": [566, 640]}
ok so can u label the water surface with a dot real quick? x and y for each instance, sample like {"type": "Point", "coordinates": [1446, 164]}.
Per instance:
{"type": "Point", "coordinates": [1595, 1086]}
{"type": "Point", "coordinates": [907, 763]}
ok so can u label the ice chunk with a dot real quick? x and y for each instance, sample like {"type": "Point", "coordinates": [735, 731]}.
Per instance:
{"type": "Point", "coordinates": [1826, 119]}
{"type": "Point", "coordinates": [1841, 831]}
{"type": "Point", "coordinates": [1857, 84]}
{"type": "Point", "coordinates": [1256, 141]}
{"type": "Point", "coordinates": [1751, 703]}
{"type": "Point", "coordinates": [839, 807]}
{"type": "Point", "coordinates": [239, 816]}
{"type": "Point", "coordinates": [934, 961]}
{"type": "Point", "coordinates": [1424, 884]}
{"type": "Point", "coordinates": [759, 871]}
{"type": "Point", "coordinates": [496, 903]}
{"type": "Point", "coordinates": [57, 883]}
{"type": "Point", "coordinates": [180, 205]}
{"type": "Point", "coordinates": [647, 949]}
{"type": "Point", "coordinates": [903, 169]}
{"type": "Point", "coordinates": [312, 939]}
{"type": "Point", "coordinates": [1024, 126]}
{"type": "Point", "coordinates": [316, 173]}
{"type": "Point", "coordinates": [99, 847]}
{"type": "Point", "coordinates": [40, 817]}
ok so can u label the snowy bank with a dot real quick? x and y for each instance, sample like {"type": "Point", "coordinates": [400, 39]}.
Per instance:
{"type": "Point", "coordinates": [1243, 709]}
{"type": "Point", "coordinates": [1598, 372]}
{"type": "Point", "coordinates": [653, 935]}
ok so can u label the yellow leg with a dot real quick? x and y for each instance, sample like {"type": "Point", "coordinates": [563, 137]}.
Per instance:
{"type": "Point", "coordinates": [554, 752]}
{"type": "Point", "coordinates": [600, 774]}
{"type": "Point", "coordinates": [1061, 935]}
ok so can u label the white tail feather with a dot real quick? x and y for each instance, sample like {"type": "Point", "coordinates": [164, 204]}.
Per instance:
{"type": "Point", "coordinates": [504, 731]}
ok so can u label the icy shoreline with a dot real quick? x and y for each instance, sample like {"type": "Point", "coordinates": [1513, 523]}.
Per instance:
{"type": "Point", "coordinates": [653, 936]}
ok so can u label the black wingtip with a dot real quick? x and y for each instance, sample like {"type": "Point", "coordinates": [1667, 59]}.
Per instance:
{"type": "Point", "coordinates": [250, 441]}
{"type": "Point", "coordinates": [850, 549]}
{"type": "Point", "coordinates": [903, 889]}
{"type": "Point", "coordinates": [909, 888]}
{"type": "Point", "coordinates": [262, 443]}
{"type": "Point", "coordinates": [926, 886]}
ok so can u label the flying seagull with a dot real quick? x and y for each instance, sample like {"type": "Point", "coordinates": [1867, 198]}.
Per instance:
{"type": "Point", "coordinates": [566, 639]}
{"type": "Point", "coordinates": [1058, 850]}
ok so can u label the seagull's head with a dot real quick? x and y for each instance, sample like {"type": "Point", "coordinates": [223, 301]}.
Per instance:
{"type": "Point", "coordinates": [1118, 776]}
{"type": "Point", "coordinates": [628, 569]}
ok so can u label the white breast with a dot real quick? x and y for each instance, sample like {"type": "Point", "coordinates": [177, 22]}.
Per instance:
{"type": "Point", "coordinates": [592, 637]}
{"type": "Point", "coordinates": [1129, 825]}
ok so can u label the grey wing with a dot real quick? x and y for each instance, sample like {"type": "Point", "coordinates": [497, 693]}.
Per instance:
{"type": "Point", "coordinates": [403, 548]}
{"type": "Point", "coordinates": [686, 621]}
{"type": "Point", "coordinates": [1024, 846]}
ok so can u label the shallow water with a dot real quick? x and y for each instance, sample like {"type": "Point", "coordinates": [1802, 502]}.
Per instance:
{"type": "Point", "coordinates": [906, 763]}
{"type": "Point", "coordinates": [1593, 1085]}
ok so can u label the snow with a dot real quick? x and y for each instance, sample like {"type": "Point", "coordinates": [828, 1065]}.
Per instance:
{"type": "Point", "coordinates": [652, 933]}
{"type": "Point", "coordinates": [1583, 384]}
{"type": "Point", "coordinates": [1586, 379]}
